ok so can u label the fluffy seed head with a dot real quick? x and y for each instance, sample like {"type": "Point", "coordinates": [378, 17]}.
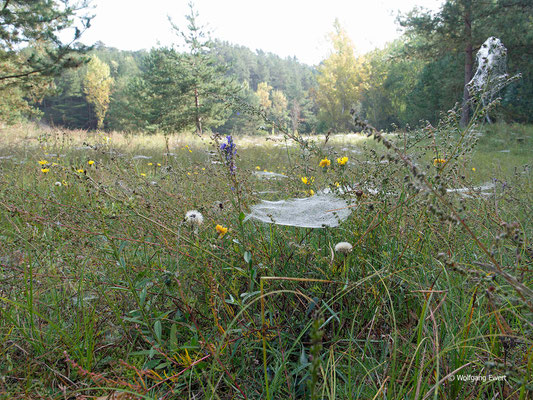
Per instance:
{"type": "Point", "coordinates": [343, 247]}
{"type": "Point", "coordinates": [194, 218]}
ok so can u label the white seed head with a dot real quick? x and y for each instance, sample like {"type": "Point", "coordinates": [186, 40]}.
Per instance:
{"type": "Point", "coordinates": [194, 218]}
{"type": "Point", "coordinates": [343, 247]}
{"type": "Point", "coordinates": [57, 183]}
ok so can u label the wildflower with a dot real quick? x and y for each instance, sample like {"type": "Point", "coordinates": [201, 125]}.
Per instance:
{"type": "Point", "coordinates": [258, 168]}
{"type": "Point", "coordinates": [324, 163]}
{"type": "Point", "coordinates": [194, 218]}
{"type": "Point", "coordinates": [474, 169]}
{"type": "Point", "coordinates": [158, 164]}
{"type": "Point", "coordinates": [343, 247]}
{"type": "Point", "coordinates": [305, 180]}
{"type": "Point", "coordinates": [143, 174]}
{"type": "Point", "coordinates": [150, 164]}
{"type": "Point", "coordinates": [221, 230]}
{"type": "Point", "coordinates": [342, 161]}
{"type": "Point", "coordinates": [90, 162]}
{"type": "Point", "coordinates": [43, 162]}
{"type": "Point", "coordinates": [438, 161]}
{"type": "Point", "coordinates": [310, 192]}
{"type": "Point", "coordinates": [45, 170]}
{"type": "Point", "coordinates": [57, 183]}
{"type": "Point", "coordinates": [80, 171]}
{"type": "Point", "coordinates": [337, 184]}
{"type": "Point", "coordinates": [229, 151]}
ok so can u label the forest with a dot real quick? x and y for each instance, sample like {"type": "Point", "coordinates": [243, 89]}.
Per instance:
{"type": "Point", "coordinates": [409, 82]}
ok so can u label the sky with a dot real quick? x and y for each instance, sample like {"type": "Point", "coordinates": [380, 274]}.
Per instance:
{"type": "Point", "coordinates": [285, 27]}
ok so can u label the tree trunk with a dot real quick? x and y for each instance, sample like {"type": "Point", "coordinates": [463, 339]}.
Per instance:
{"type": "Point", "coordinates": [198, 118]}
{"type": "Point", "coordinates": [465, 110]}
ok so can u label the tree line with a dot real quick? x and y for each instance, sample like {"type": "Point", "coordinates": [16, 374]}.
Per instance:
{"type": "Point", "coordinates": [215, 85]}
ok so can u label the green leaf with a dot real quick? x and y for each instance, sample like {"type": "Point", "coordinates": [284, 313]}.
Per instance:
{"type": "Point", "coordinates": [174, 337]}
{"type": "Point", "coordinates": [242, 216]}
{"type": "Point", "coordinates": [248, 257]}
{"type": "Point", "coordinates": [157, 330]}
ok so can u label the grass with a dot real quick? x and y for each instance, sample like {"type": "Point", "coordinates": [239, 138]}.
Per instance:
{"type": "Point", "coordinates": [105, 290]}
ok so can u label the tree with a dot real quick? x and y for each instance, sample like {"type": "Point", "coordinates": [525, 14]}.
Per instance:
{"type": "Point", "coordinates": [341, 80]}
{"type": "Point", "coordinates": [201, 78]}
{"type": "Point", "coordinates": [461, 26]}
{"type": "Point", "coordinates": [31, 51]}
{"type": "Point", "coordinates": [263, 93]}
{"type": "Point", "coordinates": [97, 85]}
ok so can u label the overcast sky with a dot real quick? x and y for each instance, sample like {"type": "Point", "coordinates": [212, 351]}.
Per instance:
{"type": "Point", "coordinates": [284, 27]}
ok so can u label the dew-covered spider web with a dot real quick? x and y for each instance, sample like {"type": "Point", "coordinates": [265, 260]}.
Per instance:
{"type": "Point", "coordinates": [491, 74]}
{"type": "Point", "coordinates": [319, 211]}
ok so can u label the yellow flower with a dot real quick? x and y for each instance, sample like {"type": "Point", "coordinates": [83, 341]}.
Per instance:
{"type": "Point", "coordinates": [150, 164]}
{"type": "Point", "coordinates": [221, 231]}
{"type": "Point", "coordinates": [474, 169]}
{"type": "Point", "coordinates": [324, 163]}
{"type": "Point", "coordinates": [158, 164]}
{"type": "Point", "coordinates": [45, 170]}
{"type": "Point", "coordinates": [337, 184]}
{"type": "Point", "coordinates": [80, 171]}
{"type": "Point", "coordinates": [342, 161]}
{"type": "Point", "coordinates": [142, 174]}
{"type": "Point", "coordinates": [43, 162]}
{"type": "Point", "coordinates": [305, 180]}
{"type": "Point", "coordinates": [258, 168]}
{"type": "Point", "coordinates": [438, 161]}
{"type": "Point", "coordinates": [311, 192]}
{"type": "Point", "coordinates": [90, 162]}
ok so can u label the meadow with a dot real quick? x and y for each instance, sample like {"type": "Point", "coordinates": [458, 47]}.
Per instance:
{"type": "Point", "coordinates": [129, 267]}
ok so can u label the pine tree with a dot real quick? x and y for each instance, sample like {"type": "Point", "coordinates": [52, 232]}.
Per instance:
{"type": "Point", "coordinates": [31, 52]}
{"type": "Point", "coordinates": [200, 79]}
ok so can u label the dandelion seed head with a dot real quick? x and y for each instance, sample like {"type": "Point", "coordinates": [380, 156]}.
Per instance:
{"type": "Point", "coordinates": [343, 247]}
{"type": "Point", "coordinates": [194, 218]}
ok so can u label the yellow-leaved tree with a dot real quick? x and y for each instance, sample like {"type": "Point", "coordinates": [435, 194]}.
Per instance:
{"type": "Point", "coordinates": [97, 85]}
{"type": "Point", "coordinates": [342, 78]}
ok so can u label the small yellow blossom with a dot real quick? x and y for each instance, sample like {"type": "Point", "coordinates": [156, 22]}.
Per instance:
{"type": "Point", "coordinates": [305, 180]}
{"type": "Point", "coordinates": [143, 174]}
{"type": "Point", "coordinates": [90, 162]}
{"type": "Point", "coordinates": [45, 170]}
{"type": "Point", "coordinates": [43, 162]}
{"type": "Point", "coordinates": [324, 163]}
{"type": "Point", "coordinates": [80, 171]}
{"type": "Point", "coordinates": [258, 168]}
{"type": "Point", "coordinates": [158, 164]}
{"type": "Point", "coordinates": [221, 230]}
{"type": "Point", "coordinates": [203, 169]}
{"type": "Point", "coordinates": [150, 164]}
{"type": "Point", "coordinates": [337, 184]}
{"type": "Point", "coordinates": [311, 192]}
{"type": "Point", "coordinates": [438, 161]}
{"type": "Point", "coordinates": [342, 161]}
{"type": "Point", "coordinates": [474, 169]}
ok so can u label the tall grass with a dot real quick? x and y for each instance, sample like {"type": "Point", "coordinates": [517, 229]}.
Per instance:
{"type": "Point", "coordinates": [104, 289]}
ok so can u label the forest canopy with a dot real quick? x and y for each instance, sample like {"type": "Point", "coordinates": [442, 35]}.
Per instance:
{"type": "Point", "coordinates": [216, 85]}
